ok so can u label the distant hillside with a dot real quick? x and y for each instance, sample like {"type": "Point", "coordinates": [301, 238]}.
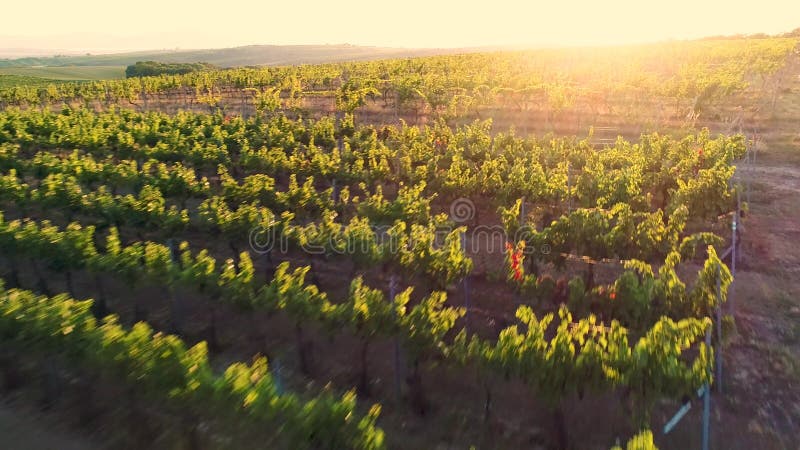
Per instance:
{"type": "Point", "coordinates": [238, 56]}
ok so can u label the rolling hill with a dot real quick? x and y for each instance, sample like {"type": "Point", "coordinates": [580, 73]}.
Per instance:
{"type": "Point", "coordinates": [238, 56]}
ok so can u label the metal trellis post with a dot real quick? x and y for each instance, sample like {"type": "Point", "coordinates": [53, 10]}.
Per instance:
{"type": "Point", "coordinates": [707, 402]}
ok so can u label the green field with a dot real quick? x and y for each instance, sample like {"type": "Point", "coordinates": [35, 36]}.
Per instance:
{"type": "Point", "coordinates": [7, 81]}
{"type": "Point", "coordinates": [68, 73]}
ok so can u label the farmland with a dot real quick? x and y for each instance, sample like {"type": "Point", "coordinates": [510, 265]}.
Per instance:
{"type": "Point", "coordinates": [73, 73]}
{"type": "Point", "coordinates": [531, 249]}
{"type": "Point", "coordinates": [7, 81]}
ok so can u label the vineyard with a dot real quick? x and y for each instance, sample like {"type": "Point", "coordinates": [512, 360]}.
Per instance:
{"type": "Point", "coordinates": [502, 250]}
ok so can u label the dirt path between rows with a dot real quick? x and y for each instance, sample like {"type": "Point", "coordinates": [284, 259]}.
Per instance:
{"type": "Point", "coordinates": [761, 380]}
{"type": "Point", "coordinates": [23, 430]}
{"type": "Point", "coordinates": [775, 178]}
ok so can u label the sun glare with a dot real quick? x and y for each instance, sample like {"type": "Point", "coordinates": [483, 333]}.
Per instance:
{"type": "Point", "coordinates": [88, 24]}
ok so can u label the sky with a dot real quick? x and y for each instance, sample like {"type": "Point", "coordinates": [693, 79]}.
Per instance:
{"type": "Point", "coordinates": [109, 25]}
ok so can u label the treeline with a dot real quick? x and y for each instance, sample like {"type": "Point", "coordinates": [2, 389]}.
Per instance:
{"type": "Point", "coordinates": [788, 34]}
{"type": "Point", "coordinates": [155, 68]}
